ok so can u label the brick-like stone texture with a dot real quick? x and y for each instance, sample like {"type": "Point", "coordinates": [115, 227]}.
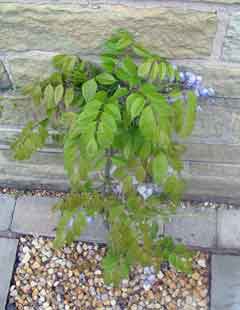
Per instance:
{"type": "Point", "coordinates": [7, 204]}
{"type": "Point", "coordinates": [232, 39]}
{"type": "Point", "coordinates": [28, 68]}
{"type": "Point", "coordinates": [228, 229]}
{"type": "Point", "coordinates": [72, 29]}
{"type": "Point", "coordinates": [8, 249]}
{"type": "Point", "coordinates": [193, 227]}
{"type": "Point", "coordinates": [225, 282]}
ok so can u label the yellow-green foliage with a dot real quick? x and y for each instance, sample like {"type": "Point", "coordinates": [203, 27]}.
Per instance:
{"type": "Point", "coordinates": [125, 113]}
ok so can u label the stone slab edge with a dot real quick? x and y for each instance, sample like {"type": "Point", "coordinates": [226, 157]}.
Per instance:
{"type": "Point", "coordinates": [98, 232]}
{"type": "Point", "coordinates": [10, 248]}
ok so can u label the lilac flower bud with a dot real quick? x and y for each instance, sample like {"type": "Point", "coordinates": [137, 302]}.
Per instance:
{"type": "Point", "coordinates": [147, 270]}
{"type": "Point", "coordinates": [146, 285]}
{"type": "Point", "coordinates": [203, 92]}
{"type": "Point", "coordinates": [182, 76]}
{"type": "Point", "coordinates": [199, 78]}
{"type": "Point", "coordinates": [144, 191]}
{"type": "Point", "coordinates": [191, 79]}
{"type": "Point", "coordinates": [89, 219]}
{"type": "Point", "coordinates": [151, 278]}
{"type": "Point", "coordinates": [211, 92]}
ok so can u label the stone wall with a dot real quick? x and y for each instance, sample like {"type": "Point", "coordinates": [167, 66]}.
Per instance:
{"type": "Point", "coordinates": [201, 35]}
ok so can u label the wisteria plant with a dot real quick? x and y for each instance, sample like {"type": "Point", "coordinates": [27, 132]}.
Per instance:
{"type": "Point", "coordinates": [119, 124]}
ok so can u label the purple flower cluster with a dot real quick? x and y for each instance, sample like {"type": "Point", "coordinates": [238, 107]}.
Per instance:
{"type": "Point", "coordinates": [194, 82]}
{"type": "Point", "coordinates": [149, 277]}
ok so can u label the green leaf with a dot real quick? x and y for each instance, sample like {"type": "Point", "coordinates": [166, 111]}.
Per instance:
{"type": "Point", "coordinates": [130, 99]}
{"type": "Point", "coordinates": [137, 106]}
{"type": "Point", "coordinates": [141, 51]}
{"type": "Point", "coordinates": [154, 71]}
{"type": "Point", "coordinates": [114, 110]}
{"type": "Point", "coordinates": [105, 78]}
{"type": "Point", "coordinates": [92, 147]}
{"type": "Point", "coordinates": [144, 69]}
{"type": "Point", "coordinates": [58, 93]}
{"type": "Point", "coordinates": [140, 174]}
{"type": "Point", "coordinates": [127, 184]}
{"type": "Point", "coordinates": [190, 116]}
{"type": "Point", "coordinates": [105, 135]}
{"type": "Point", "coordinates": [59, 60]}
{"type": "Point", "coordinates": [124, 42]}
{"type": "Point", "coordinates": [171, 72]}
{"type": "Point", "coordinates": [69, 64]}
{"type": "Point", "coordinates": [174, 188]}
{"type": "Point", "coordinates": [89, 90]}
{"type": "Point", "coordinates": [145, 150]}
{"type": "Point", "coordinates": [120, 92]}
{"type": "Point", "coordinates": [69, 96]}
{"type": "Point", "coordinates": [36, 94]}
{"type": "Point", "coordinates": [162, 71]}
{"type": "Point", "coordinates": [49, 96]}
{"type": "Point", "coordinates": [129, 66]}
{"type": "Point", "coordinates": [159, 168]}
{"type": "Point", "coordinates": [147, 123]}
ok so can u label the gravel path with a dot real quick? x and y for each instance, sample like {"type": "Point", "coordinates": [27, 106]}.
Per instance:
{"type": "Point", "coordinates": [71, 279]}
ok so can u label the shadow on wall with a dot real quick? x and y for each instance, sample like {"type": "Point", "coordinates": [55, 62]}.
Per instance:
{"type": "Point", "coordinates": [5, 82]}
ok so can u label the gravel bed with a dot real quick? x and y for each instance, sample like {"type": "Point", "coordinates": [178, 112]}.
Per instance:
{"type": "Point", "coordinates": [71, 279]}
{"type": "Point", "coordinates": [47, 193]}
{"type": "Point", "coordinates": [35, 192]}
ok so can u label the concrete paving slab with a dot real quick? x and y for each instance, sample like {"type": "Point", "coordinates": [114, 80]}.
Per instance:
{"type": "Point", "coordinates": [228, 228]}
{"type": "Point", "coordinates": [7, 204]}
{"type": "Point", "coordinates": [33, 215]}
{"type": "Point", "coordinates": [8, 249]}
{"type": "Point", "coordinates": [225, 283]}
{"type": "Point", "coordinates": [193, 227]}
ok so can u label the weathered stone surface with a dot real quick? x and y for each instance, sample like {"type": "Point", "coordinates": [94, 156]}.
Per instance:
{"type": "Point", "coordinates": [194, 227]}
{"type": "Point", "coordinates": [73, 29]}
{"type": "Point", "coordinates": [225, 282]}
{"type": "Point", "coordinates": [224, 78]}
{"type": "Point", "coordinates": [95, 231]}
{"type": "Point", "coordinates": [221, 1]}
{"type": "Point", "coordinates": [6, 209]}
{"type": "Point", "coordinates": [218, 123]}
{"type": "Point", "coordinates": [28, 68]}
{"type": "Point", "coordinates": [8, 248]}
{"type": "Point", "coordinates": [232, 39]}
{"type": "Point", "coordinates": [207, 152]}
{"type": "Point", "coordinates": [215, 188]}
{"type": "Point", "coordinates": [33, 215]}
{"type": "Point", "coordinates": [228, 229]}
{"type": "Point", "coordinates": [17, 110]}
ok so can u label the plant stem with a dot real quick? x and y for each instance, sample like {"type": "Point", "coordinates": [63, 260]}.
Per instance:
{"type": "Point", "coordinates": [107, 174]}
